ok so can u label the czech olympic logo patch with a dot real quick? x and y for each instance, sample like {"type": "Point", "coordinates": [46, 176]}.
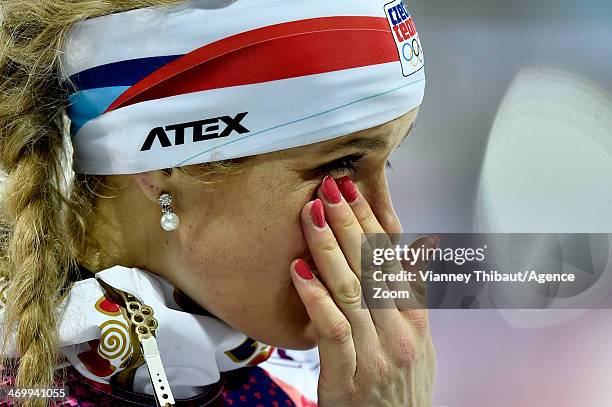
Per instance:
{"type": "Point", "coordinates": [406, 37]}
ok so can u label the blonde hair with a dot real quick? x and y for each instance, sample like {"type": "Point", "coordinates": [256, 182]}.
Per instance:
{"type": "Point", "coordinates": [45, 213]}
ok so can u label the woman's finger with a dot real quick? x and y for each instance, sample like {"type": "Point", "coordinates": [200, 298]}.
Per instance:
{"type": "Point", "coordinates": [419, 287]}
{"type": "Point", "coordinates": [405, 292]}
{"type": "Point", "coordinates": [360, 206]}
{"type": "Point", "coordinates": [335, 272]}
{"type": "Point", "coordinates": [336, 346]}
{"type": "Point", "coordinates": [373, 231]}
{"type": "Point", "coordinates": [344, 224]}
{"type": "Point", "coordinates": [352, 242]}
{"type": "Point", "coordinates": [385, 316]}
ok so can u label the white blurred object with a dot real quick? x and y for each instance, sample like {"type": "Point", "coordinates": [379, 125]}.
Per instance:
{"type": "Point", "coordinates": [548, 163]}
{"type": "Point", "coordinates": [548, 169]}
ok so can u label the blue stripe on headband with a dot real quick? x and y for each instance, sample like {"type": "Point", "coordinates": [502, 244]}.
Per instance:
{"type": "Point", "coordinates": [122, 73]}
{"type": "Point", "coordinates": [98, 87]}
{"type": "Point", "coordinates": [89, 104]}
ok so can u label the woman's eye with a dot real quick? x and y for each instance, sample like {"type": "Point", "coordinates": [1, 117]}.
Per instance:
{"type": "Point", "coordinates": [346, 163]}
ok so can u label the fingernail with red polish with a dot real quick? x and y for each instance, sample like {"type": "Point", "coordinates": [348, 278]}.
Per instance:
{"type": "Point", "coordinates": [330, 190]}
{"type": "Point", "coordinates": [317, 213]}
{"type": "Point", "coordinates": [348, 189]}
{"type": "Point", "coordinates": [303, 270]}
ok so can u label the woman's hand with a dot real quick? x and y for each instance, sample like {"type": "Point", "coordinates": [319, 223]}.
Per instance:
{"type": "Point", "coordinates": [369, 357]}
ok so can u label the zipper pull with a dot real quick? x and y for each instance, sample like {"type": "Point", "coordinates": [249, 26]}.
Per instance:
{"type": "Point", "coordinates": [163, 394]}
{"type": "Point", "coordinates": [144, 325]}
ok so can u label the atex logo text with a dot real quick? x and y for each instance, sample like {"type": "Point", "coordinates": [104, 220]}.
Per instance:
{"type": "Point", "coordinates": [201, 130]}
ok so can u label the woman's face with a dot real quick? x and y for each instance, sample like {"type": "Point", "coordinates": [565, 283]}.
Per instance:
{"type": "Point", "coordinates": [232, 251]}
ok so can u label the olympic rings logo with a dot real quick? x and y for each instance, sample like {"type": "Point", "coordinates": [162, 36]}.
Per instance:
{"type": "Point", "coordinates": [412, 52]}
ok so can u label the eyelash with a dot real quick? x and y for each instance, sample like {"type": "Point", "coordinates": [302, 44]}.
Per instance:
{"type": "Point", "coordinates": [343, 164]}
{"type": "Point", "coordinates": [347, 163]}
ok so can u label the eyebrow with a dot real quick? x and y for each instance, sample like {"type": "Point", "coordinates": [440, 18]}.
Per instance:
{"type": "Point", "coordinates": [372, 143]}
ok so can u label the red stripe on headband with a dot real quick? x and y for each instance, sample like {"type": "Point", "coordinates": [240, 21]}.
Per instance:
{"type": "Point", "coordinates": [280, 51]}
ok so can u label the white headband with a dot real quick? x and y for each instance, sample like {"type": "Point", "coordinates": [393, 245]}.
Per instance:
{"type": "Point", "coordinates": [163, 87]}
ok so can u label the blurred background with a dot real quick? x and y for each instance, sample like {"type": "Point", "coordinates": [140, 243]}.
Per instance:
{"type": "Point", "coordinates": [515, 135]}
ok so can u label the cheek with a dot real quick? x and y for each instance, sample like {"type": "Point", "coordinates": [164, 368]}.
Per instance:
{"type": "Point", "coordinates": [242, 254]}
{"type": "Point", "coordinates": [236, 263]}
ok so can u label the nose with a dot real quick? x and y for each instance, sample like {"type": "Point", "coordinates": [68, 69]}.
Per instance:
{"type": "Point", "coordinates": [376, 192]}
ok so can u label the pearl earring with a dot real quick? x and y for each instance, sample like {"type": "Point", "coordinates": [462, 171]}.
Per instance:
{"type": "Point", "coordinates": [169, 220]}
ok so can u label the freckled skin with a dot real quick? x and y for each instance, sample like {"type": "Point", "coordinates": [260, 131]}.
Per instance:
{"type": "Point", "coordinates": [237, 238]}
